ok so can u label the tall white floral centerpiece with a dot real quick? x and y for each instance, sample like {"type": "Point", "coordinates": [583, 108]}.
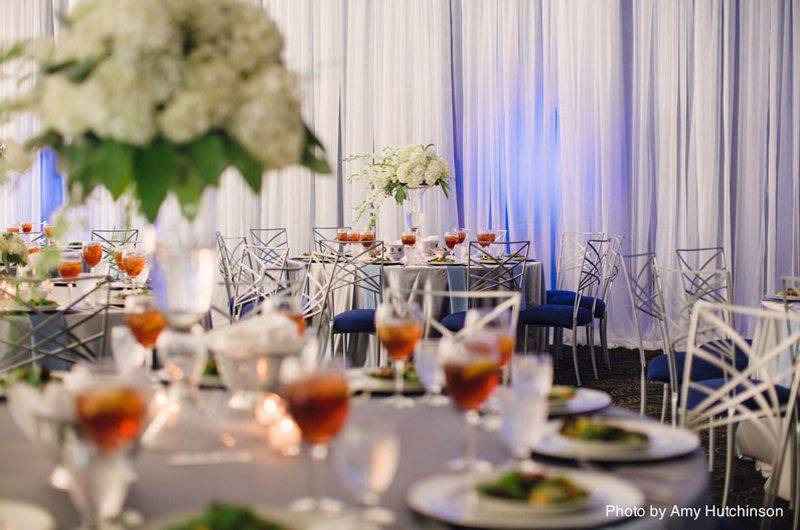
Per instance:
{"type": "Point", "coordinates": [404, 173]}
{"type": "Point", "coordinates": [155, 99]}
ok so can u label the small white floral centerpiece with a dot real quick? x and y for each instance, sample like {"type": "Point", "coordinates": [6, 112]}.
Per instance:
{"type": "Point", "coordinates": [13, 251]}
{"type": "Point", "coordinates": [392, 172]}
{"type": "Point", "coordinates": [152, 97]}
{"type": "Point", "coordinates": [13, 158]}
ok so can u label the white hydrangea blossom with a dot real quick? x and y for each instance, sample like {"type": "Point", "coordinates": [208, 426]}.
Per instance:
{"type": "Point", "coordinates": [411, 166]}
{"type": "Point", "coordinates": [147, 75]}
{"type": "Point", "coordinates": [13, 158]}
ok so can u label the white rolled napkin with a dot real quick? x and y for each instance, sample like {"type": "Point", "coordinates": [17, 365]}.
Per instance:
{"type": "Point", "coordinates": [268, 334]}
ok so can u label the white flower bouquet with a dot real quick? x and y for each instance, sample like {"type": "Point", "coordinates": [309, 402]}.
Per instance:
{"type": "Point", "coordinates": [392, 172]}
{"type": "Point", "coordinates": [13, 158]}
{"type": "Point", "coordinates": [157, 96]}
{"type": "Point", "coordinates": [12, 250]}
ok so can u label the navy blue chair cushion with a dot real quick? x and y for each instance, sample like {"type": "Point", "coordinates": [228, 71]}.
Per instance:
{"type": "Point", "coordinates": [455, 321]}
{"type": "Point", "coordinates": [658, 367]}
{"type": "Point", "coordinates": [695, 396]}
{"type": "Point", "coordinates": [561, 297]}
{"type": "Point", "coordinates": [355, 321]}
{"type": "Point", "coordinates": [244, 306]}
{"type": "Point", "coordinates": [553, 315]}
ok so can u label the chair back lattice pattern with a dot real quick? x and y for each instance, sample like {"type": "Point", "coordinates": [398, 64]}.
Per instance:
{"type": "Point", "coordinates": [113, 238]}
{"type": "Point", "coordinates": [320, 234]}
{"type": "Point", "coordinates": [231, 250]}
{"type": "Point", "coordinates": [497, 266]}
{"type": "Point", "coordinates": [269, 237]}
{"type": "Point", "coordinates": [748, 394]}
{"type": "Point", "coordinates": [431, 303]}
{"type": "Point", "coordinates": [355, 270]}
{"type": "Point", "coordinates": [591, 272]}
{"type": "Point", "coordinates": [571, 251]}
{"type": "Point", "coordinates": [611, 265]}
{"type": "Point", "coordinates": [642, 292]}
{"type": "Point", "coordinates": [258, 275]}
{"type": "Point", "coordinates": [675, 305]}
{"type": "Point", "coordinates": [701, 258]}
{"type": "Point", "coordinates": [44, 336]}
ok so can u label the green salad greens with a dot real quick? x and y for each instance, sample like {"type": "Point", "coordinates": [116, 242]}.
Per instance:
{"type": "Point", "coordinates": [211, 367]}
{"type": "Point", "coordinates": [226, 517]}
{"type": "Point", "coordinates": [35, 376]}
{"type": "Point", "coordinates": [387, 372]}
{"type": "Point", "coordinates": [583, 428]}
{"type": "Point", "coordinates": [537, 489]}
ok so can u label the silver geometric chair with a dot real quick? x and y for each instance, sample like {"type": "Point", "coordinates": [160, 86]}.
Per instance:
{"type": "Point", "coordinates": [678, 290]}
{"type": "Point", "coordinates": [259, 274]}
{"type": "Point", "coordinates": [562, 316]}
{"type": "Point", "coordinates": [269, 238]}
{"type": "Point", "coordinates": [701, 258]}
{"type": "Point", "coordinates": [324, 233]}
{"type": "Point", "coordinates": [43, 336]}
{"type": "Point", "coordinates": [643, 296]}
{"type": "Point", "coordinates": [113, 238]}
{"type": "Point", "coordinates": [760, 393]}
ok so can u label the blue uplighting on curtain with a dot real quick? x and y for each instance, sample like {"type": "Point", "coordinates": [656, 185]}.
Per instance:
{"type": "Point", "coordinates": [51, 183]}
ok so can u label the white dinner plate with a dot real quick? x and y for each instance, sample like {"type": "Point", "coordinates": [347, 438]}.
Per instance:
{"type": "Point", "coordinates": [779, 298]}
{"type": "Point", "coordinates": [290, 519]}
{"type": "Point", "coordinates": [206, 381]}
{"type": "Point", "coordinates": [452, 499]}
{"type": "Point", "coordinates": [22, 515]}
{"type": "Point", "coordinates": [360, 382]}
{"type": "Point", "coordinates": [664, 442]}
{"type": "Point", "coordinates": [586, 400]}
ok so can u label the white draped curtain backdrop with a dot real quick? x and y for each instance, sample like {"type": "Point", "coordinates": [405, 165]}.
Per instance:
{"type": "Point", "coordinates": [674, 124]}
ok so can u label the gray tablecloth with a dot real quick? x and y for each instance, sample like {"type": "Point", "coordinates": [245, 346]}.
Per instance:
{"type": "Point", "coordinates": [429, 438]}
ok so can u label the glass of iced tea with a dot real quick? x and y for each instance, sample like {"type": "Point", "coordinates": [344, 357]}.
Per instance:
{"type": "Point", "coordinates": [498, 323]}
{"type": "Point", "coordinates": [342, 235]}
{"type": "Point", "coordinates": [409, 236]}
{"type": "Point", "coordinates": [471, 371]}
{"type": "Point", "coordinates": [70, 264]}
{"type": "Point", "coordinates": [398, 325]}
{"type": "Point", "coordinates": [26, 227]}
{"type": "Point", "coordinates": [48, 231]}
{"type": "Point", "coordinates": [318, 400]}
{"type": "Point", "coordinates": [353, 235]}
{"type": "Point", "coordinates": [133, 262]}
{"type": "Point", "coordinates": [451, 240]}
{"type": "Point", "coordinates": [110, 413]}
{"type": "Point", "coordinates": [486, 236]}
{"type": "Point", "coordinates": [367, 237]}
{"type": "Point", "coordinates": [290, 306]}
{"type": "Point", "coordinates": [92, 254]}
{"type": "Point", "coordinates": [13, 229]}
{"type": "Point", "coordinates": [145, 321]}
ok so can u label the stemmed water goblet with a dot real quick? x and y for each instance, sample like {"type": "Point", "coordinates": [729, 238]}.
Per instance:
{"type": "Point", "coordinates": [98, 449]}
{"type": "Point", "coordinates": [145, 321]}
{"type": "Point", "coordinates": [486, 236]}
{"type": "Point", "coordinates": [471, 371]}
{"type": "Point", "coordinates": [92, 254]}
{"type": "Point", "coordinates": [428, 364]}
{"type": "Point", "coordinates": [498, 323]}
{"type": "Point", "coordinates": [451, 240]}
{"type": "Point", "coordinates": [342, 235]}
{"type": "Point", "coordinates": [133, 262]}
{"type": "Point", "coordinates": [317, 398]}
{"type": "Point", "coordinates": [398, 325]}
{"type": "Point", "coordinates": [463, 235]}
{"type": "Point", "coordinates": [367, 237]}
{"type": "Point", "coordinates": [70, 265]}
{"type": "Point", "coordinates": [366, 458]}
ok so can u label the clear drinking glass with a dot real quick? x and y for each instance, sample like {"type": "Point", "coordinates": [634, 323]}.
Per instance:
{"type": "Point", "coordinates": [471, 371]}
{"type": "Point", "coordinates": [366, 458]}
{"type": "Point", "coordinates": [99, 449]}
{"type": "Point", "coordinates": [533, 374]}
{"type": "Point", "coordinates": [398, 325]}
{"type": "Point", "coordinates": [451, 239]}
{"type": "Point", "coordinates": [69, 267]}
{"type": "Point", "coordinates": [318, 400]}
{"type": "Point", "coordinates": [524, 423]}
{"type": "Point", "coordinates": [428, 363]}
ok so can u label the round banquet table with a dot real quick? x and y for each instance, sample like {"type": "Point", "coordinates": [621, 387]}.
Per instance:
{"type": "Point", "coordinates": [429, 437]}
{"type": "Point", "coordinates": [12, 325]}
{"type": "Point", "coordinates": [444, 277]}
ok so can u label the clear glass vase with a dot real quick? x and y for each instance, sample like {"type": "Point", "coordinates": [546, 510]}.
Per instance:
{"type": "Point", "coordinates": [415, 216]}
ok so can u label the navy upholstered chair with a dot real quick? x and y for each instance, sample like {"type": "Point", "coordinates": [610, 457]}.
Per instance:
{"type": "Point", "coordinates": [357, 278]}
{"type": "Point", "coordinates": [497, 266]}
{"type": "Point", "coordinates": [572, 241]}
{"type": "Point", "coordinates": [560, 317]}
{"type": "Point", "coordinates": [762, 391]}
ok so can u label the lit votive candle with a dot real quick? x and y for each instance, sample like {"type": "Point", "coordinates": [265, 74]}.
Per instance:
{"type": "Point", "coordinates": [270, 410]}
{"type": "Point", "coordinates": [284, 436]}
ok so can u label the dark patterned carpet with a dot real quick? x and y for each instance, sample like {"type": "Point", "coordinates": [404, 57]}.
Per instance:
{"type": "Point", "coordinates": [622, 382]}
